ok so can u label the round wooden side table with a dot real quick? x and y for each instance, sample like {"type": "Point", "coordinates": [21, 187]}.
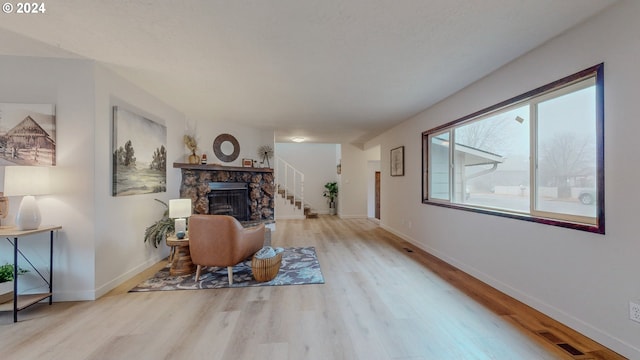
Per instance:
{"type": "Point", "coordinates": [181, 263]}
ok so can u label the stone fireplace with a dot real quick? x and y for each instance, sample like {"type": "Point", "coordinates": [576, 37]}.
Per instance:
{"type": "Point", "coordinates": [217, 189]}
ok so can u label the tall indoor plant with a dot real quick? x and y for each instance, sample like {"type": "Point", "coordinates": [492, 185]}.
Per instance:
{"type": "Point", "coordinates": [331, 193]}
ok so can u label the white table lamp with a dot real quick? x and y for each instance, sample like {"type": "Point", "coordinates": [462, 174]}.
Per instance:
{"type": "Point", "coordinates": [179, 209]}
{"type": "Point", "coordinates": [27, 181]}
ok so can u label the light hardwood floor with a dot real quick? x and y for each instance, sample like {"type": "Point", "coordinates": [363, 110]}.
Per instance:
{"type": "Point", "coordinates": [379, 301]}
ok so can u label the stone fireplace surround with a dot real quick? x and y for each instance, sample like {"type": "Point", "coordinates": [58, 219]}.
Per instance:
{"type": "Point", "coordinates": [196, 179]}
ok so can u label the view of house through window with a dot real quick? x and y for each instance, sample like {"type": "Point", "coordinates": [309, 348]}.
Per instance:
{"type": "Point", "coordinates": [534, 157]}
{"type": "Point", "coordinates": [492, 156]}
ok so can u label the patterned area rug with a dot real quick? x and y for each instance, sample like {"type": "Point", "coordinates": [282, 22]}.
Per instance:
{"type": "Point", "coordinates": [299, 266]}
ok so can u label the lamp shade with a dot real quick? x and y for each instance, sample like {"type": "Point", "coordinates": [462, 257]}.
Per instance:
{"type": "Point", "coordinates": [179, 208]}
{"type": "Point", "coordinates": [26, 180]}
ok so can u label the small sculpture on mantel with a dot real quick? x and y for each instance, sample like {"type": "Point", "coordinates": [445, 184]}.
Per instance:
{"type": "Point", "coordinates": [191, 143]}
{"type": "Point", "coordinates": [265, 152]}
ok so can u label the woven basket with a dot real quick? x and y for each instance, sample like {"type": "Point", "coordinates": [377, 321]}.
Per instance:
{"type": "Point", "coordinates": [266, 269]}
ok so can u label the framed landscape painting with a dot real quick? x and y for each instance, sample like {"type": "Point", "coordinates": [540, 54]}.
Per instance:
{"type": "Point", "coordinates": [139, 154]}
{"type": "Point", "coordinates": [27, 134]}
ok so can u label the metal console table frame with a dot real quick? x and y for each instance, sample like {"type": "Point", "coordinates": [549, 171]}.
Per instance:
{"type": "Point", "coordinates": [21, 302]}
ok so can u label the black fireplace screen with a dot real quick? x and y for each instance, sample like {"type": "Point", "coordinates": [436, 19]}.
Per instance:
{"type": "Point", "coordinates": [229, 199]}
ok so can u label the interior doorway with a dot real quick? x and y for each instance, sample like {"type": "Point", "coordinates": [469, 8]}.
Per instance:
{"type": "Point", "coordinates": [377, 196]}
{"type": "Point", "coordinates": [374, 186]}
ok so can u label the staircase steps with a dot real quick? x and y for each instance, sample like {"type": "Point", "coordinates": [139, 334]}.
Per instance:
{"type": "Point", "coordinates": [309, 214]}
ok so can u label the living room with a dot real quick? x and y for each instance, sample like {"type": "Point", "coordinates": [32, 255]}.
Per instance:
{"type": "Point", "coordinates": [582, 279]}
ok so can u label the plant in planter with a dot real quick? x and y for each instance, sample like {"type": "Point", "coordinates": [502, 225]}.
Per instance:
{"type": "Point", "coordinates": [331, 192]}
{"type": "Point", "coordinates": [6, 282]}
{"type": "Point", "coordinates": [158, 231]}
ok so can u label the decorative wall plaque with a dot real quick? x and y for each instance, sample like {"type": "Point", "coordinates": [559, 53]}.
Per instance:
{"type": "Point", "coordinates": [226, 140]}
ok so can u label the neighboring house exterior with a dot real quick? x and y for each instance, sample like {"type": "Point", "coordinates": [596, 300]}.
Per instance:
{"type": "Point", "coordinates": [465, 158]}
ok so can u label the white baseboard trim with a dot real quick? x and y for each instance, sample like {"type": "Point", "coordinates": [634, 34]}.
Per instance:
{"type": "Point", "coordinates": [352, 216]}
{"type": "Point", "coordinates": [100, 291]}
{"type": "Point", "coordinates": [579, 325]}
{"type": "Point", "coordinates": [290, 217]}
{"type": "Point", "coordinates": [62, 296]}
{"type": "Point", "coordinates": [90, 295]}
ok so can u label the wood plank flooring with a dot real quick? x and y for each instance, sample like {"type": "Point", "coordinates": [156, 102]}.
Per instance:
{"type": "Point", "coordinates": [379, 301]}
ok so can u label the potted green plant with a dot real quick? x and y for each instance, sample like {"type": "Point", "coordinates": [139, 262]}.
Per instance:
{"type": "Point", "coordinates": [158, 231]}
{"type": "Point", "coordinates": [331, 192]}
{"type": "Point", "coordinates": [6, 282]}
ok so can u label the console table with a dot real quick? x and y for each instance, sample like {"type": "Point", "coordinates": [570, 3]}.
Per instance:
{"type": "Point", "coordinates": [21, 302]}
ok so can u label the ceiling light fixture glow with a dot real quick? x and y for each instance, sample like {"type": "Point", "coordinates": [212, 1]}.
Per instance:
{"type": "Point", "coordinates": [297, 139]}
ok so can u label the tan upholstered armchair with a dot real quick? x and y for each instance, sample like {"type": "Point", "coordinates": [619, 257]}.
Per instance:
{"type": "Point", "coordinates": [220, 240]}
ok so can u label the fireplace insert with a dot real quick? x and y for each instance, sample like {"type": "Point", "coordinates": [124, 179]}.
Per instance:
{"type": "Point", "coordinates": [229, 198]}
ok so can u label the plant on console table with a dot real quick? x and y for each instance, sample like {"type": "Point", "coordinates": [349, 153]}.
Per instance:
{"type": "Point", "coordinates": [6, 282]}
{"type": "Point", "coordinates": [331, 192]}
{"type": "Point", "coordinates": [158, 231]}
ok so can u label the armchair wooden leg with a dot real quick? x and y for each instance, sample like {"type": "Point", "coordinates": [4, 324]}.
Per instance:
{"type": "Point", "coordinates": [198, 272]}
{"type": "Point", "coordinates": [230, 272]}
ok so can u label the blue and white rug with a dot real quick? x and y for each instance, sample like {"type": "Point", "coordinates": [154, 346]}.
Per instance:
{"type": "Point", "coordinates": [299, 266]}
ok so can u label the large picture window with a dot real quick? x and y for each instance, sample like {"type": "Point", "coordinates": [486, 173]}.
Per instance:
{"type": "Point", "coordinates": [537, 157]}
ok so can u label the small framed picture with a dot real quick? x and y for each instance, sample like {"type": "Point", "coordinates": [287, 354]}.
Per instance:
{"type": "Point", "coordinates": [247, 163]}
{"type": "Point", "coordinates": [397, 161]}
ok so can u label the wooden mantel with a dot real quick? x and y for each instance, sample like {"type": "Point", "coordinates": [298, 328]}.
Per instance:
{"type": "Point", "coordinates": [217, 167]}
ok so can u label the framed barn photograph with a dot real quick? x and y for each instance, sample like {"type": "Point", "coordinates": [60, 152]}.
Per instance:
{"type": "Point", "coordinates": [397, 161]}
{"type": "Point", "coordinates": [139, 153]}
{"type": "Point", "coordinates": [27, 134]}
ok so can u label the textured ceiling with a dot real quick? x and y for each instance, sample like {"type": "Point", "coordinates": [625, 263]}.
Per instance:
{"type": "Point", "coordinates": [332, 71]}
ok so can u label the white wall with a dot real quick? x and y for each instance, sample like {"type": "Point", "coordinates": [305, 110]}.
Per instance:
{"type": "Point", "coordinates": [249, 139]}
{"type": "Point", "coordinates": [69, 85]}
{"type": "Point", "coordinates": [101, 241]}
{"type": "Point", "coordinates": [121, 221]}
{"type": "Point", "coordinates": [581, 279]}
{"type": "Point", "coordinates": [354, 180]}
{"type": "Point", "coordinates": [318, 163]}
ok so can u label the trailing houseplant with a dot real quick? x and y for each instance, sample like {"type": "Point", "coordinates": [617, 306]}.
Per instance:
{"type": "Point", "coordinates": [157, 232]}
{"type": "Point", "coordinates": [331, 192]}
{"type": "Point", "coordinates": [6, 281]}
{"type": "Point", "coordinates": [6, 272]}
